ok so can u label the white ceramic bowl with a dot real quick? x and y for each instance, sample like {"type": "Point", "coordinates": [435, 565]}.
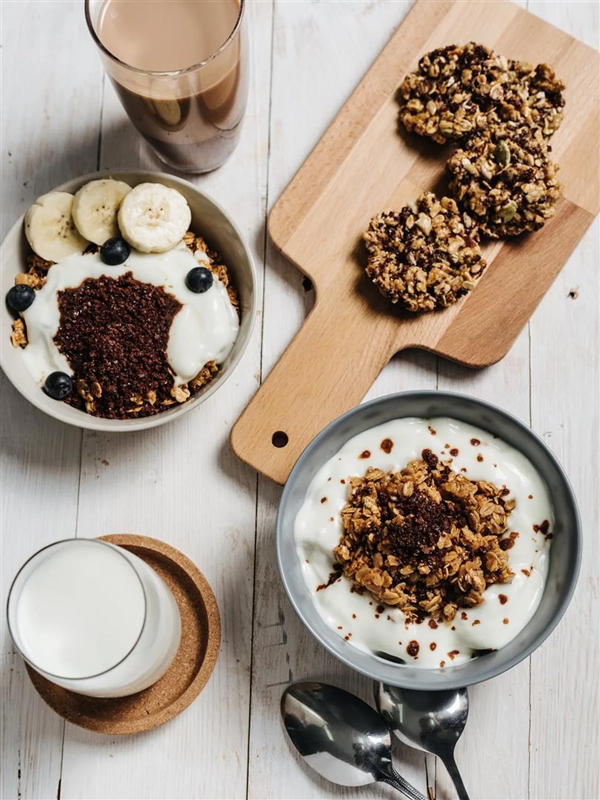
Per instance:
{"type": "Point", "coordinates": [208, 220]}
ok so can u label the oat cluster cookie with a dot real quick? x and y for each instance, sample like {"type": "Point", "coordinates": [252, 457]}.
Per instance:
{"type": "Point", "coordinates": [460, 89]}
{"type": "Point", "coordinates": [500, 114]}
{"type": "Point", "coordinates": [425, 256]}
{"type": "Point", "coordinates": [505, 180]}
{"type": "Point", "coordinates": [426, 540]}
{"type": "Point", "coordinates": [447, 97]}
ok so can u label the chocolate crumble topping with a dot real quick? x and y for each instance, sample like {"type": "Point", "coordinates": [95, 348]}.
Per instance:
{"type": "Point", "coordinates": [106, 346]}
{"type": "Point", "coordinates": [333, 577]}
{"type": "Point", "coordinates": [412, 648]}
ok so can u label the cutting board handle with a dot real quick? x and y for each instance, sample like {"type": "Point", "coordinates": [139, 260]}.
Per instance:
{"type": "Point", "coordinates": [326, 370]}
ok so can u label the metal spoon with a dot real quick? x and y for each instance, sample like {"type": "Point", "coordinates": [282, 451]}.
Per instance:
{"type": "Point", "coordinates": [341, 737]}
{"type": "Point", "coordinates": [429, 721]}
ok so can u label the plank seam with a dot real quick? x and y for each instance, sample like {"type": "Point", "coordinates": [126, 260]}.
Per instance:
{"type": "Point", "coordinates": [260, 370]}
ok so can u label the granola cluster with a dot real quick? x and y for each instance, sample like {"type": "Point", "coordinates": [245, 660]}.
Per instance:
{"type": "Point", "coordinates": [504, 178]}
{"type": "Point", "coordinates": [426, 540]}
{"type": "Point", "coordinates": [535, 95]}
{"type": "Point", "coordinates": [35, 277]}
{"type": "Point", "coordinates": [125, 374]}
{"type": "Point", "coordinates": [425, 256]}
{"type": "Point", "coordinates": [458, 90]}
{"type": "Point", "coordinates": [216, 266]}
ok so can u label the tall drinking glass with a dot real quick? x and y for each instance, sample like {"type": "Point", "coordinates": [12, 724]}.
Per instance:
{"type": "Point", "coordinates": [181, 70]}
{"type": "Point", "coordinates": [93, 618]}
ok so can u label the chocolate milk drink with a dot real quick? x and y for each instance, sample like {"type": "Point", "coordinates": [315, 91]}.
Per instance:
{"type": "Point", "coordinates": [180, 68]}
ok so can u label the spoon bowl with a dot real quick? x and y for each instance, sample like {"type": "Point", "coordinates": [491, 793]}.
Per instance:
{"type": "Point", "coordinates": [429, 721]}
{"type": "Point", "coordinates": [341, 737]}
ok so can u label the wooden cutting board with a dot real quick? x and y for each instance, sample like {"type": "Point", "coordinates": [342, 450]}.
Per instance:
{"type": "Point", "coordinates": [364, 165]}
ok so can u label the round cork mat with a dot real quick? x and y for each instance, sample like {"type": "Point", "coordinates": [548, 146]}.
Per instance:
{"type": "Point", "coordinates": [187, 675]}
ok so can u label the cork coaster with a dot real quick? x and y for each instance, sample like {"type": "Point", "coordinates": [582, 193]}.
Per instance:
{"type": "Point", "coordinates": [187, 675]}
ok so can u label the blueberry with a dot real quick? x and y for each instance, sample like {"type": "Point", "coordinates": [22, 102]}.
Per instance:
{"type": "Point", "coordinates": [58, 385]}
{"type": "Point", "coordinates": [199, 280]}
{"type": "Point", "coordinates": [115, 251]}
{"type": "Point", "coordinates": [20, 297]}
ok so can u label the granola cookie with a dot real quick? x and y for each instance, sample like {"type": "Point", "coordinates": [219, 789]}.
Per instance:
{"type": "Point", "coordinates": [505, 180]}
{"type": "Point", "coordinates": [458, 90]}
{"type": "Point", "coordinates": [535, 95]}
{"type": "Point", "coordinates": [425, 256]}
{"type": "Point", "coordinates": [426, 539]}
{"type": "Point", "coordinates": [452, 90]}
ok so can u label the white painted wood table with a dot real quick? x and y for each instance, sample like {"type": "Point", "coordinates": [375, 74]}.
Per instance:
{"type": "Point", "coordinates": [532, 733]}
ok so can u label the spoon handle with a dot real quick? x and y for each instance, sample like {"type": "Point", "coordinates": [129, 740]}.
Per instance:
{"type": "Point", "coordinates": [402, 786]}
{"type": "Point", "coordinates": [450, 765]}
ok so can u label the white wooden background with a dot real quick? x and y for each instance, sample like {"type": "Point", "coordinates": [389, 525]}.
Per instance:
{"type": "Point", "coordinates": [532, 733]}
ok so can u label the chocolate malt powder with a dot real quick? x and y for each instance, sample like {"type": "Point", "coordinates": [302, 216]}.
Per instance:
{"type": "Point", "coordinates": [114, 333]}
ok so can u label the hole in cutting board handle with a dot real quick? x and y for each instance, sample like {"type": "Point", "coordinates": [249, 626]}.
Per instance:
{"type": "Point", "coordinates": [280, 439]}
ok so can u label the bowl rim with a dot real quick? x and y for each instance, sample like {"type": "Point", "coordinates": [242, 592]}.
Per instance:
{"type": "Point", "coordinates": [485, 674]}
{"type": "Point", "coordinates": [104, 425]}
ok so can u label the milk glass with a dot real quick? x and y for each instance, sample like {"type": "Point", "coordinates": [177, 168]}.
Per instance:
{"type": "Point", "coordinates": [93, 618]}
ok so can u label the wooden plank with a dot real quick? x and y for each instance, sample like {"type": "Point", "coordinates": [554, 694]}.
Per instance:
{"type": "Point", "coordinates": [181, 483]}
{"type": "Point", "coordinates": [564, 409]}
{"type": "Point", "coordinates": [361, 166]}
{"type": "Point", "coordinates": [320, 35]}
{"type": "Point", "coordinates": [497, 733]}
{"type": "Point", "coordinates": [48, 135]}
{"type": "Point", "coordinates": [498, 729]}
{"type": "Point", "coordinates": [565, 670]}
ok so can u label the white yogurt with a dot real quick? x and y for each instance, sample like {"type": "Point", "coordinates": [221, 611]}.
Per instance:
{"type": "Point", "coordinates": [205, 329]}
{"type": "Point", "coordinates": [318, 529]}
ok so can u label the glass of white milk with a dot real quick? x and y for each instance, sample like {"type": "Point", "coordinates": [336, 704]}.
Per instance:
{"type": "Point", "coordinates": [93, 618]}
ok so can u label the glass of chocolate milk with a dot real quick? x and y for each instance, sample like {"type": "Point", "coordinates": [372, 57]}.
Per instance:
{"type": "Point", "coordinates": [180, 68]}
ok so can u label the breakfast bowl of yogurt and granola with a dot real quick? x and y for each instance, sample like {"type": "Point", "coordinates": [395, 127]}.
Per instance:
{"type": "Point", "coordinates": [129, 299]}
{"type": "Point", "coordinates": [429, 540]}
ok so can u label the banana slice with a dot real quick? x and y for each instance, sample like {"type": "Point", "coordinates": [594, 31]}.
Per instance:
{"type": "Point", "coordinates": [154, 218]}
{"type": "Point", "coordinates": [168, 111]}
{"type": "Point", "coordinates": [95, 209]}
{"type": "Point", "coordinates": [49, 227]}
